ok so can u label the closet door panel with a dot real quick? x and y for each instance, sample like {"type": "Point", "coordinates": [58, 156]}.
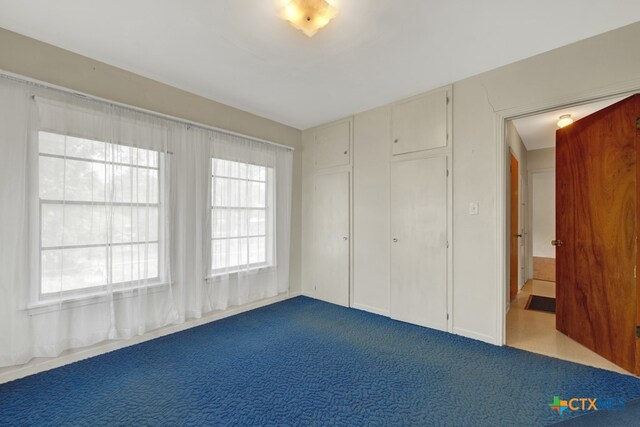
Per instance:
{"type": "Point", "coordinates": [331, 237]}
{"type": "Point", "coordinates": [332, 145]}
{"type": "Point", "coordinates": [419, 241]}
{"type": "Point", "coordinates": [420, 123]}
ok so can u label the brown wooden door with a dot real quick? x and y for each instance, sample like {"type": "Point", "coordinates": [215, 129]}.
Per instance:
{"type": "Point", "coordinates": [514, 247]}
{"type": "Point", "coordinates": [596, 216]}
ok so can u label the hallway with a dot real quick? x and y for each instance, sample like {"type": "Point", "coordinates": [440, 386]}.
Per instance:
{"type": "Point", "coordinates": [535, 331]}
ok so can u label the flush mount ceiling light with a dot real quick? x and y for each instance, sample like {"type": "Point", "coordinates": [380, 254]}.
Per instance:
{"type": "Point", "coordinates": [565, 120]}
{"type": "Point", "coordinates": [308, 16]}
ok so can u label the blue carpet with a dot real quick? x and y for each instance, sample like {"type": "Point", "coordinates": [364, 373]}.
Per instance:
{"type": "Point", "coordinates": [305, 362]}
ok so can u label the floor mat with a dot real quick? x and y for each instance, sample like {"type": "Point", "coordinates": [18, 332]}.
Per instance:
{"type": "Point", "coordinates": [539, 303]}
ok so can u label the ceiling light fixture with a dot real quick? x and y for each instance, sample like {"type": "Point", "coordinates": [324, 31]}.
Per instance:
{"type": "Point", "coordinates": [565, 120]}
{"type": "Point", "coordinates": [308, 16]}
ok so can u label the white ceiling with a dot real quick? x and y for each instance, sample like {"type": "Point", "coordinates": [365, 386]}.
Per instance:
{"type": "Point", "coordinates": [539, 131]}
{"type": "Point", "coordinates": [241, 53]}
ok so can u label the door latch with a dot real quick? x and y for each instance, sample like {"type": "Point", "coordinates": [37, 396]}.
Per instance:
{"type": "Point", "coordinates": [557, 243]}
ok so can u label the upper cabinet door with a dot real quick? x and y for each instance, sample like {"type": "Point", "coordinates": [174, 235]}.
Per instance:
{"type": "Point", "coordinates": [420, 123]}
{"type": "Point", "coordinates": [333, 145]}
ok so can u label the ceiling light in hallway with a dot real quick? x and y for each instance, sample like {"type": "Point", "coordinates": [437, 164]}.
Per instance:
{"type": "Point", "coordinates": [565, 120]}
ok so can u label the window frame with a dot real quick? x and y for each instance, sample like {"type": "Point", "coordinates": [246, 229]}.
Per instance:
{"type": "Point", "coordinates": [160, 204]}
{"type": "Point", "coordinates": [269, 212]}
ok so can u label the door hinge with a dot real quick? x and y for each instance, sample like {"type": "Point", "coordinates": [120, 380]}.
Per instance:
{"type": "Point", "coordinates": [447, 316]}
{"type": "Point", "coordinates": [447, 99]}
{"type": "Point", "coordinates": [634, 271]}
{"type": "Point", "coordinates": [638, 123]}
{"type": "Point", "coordinates": [637, 331]}
{"type": "Point", "coordinates": [447, 244]}
{"type": "Point", "coordinates": [447, 172]}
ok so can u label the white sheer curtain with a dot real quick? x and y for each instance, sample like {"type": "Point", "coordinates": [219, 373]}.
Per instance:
{"type": "Point", "coordinates": [115, 222]}
{"type": "Point", "coordinates": [233, 219]}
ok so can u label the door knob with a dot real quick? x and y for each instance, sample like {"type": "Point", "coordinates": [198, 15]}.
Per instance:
{"type": "Point", "coordinates": [518, 235]}
{"type": "Point", "coordinates": [395, 240]}
{"type": "Point", "coordinates": [557, 243]}
{"type": "Point", "coordinates": [345, 238]}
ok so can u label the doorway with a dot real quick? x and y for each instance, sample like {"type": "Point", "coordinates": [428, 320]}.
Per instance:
{"type": "Point", "coordinates": [531, 318]}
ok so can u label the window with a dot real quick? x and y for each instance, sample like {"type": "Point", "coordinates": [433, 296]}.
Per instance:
{"type": "Point", "coordinates": [99, 214]}
{"type": "Point", "coordinates": [241, 216]}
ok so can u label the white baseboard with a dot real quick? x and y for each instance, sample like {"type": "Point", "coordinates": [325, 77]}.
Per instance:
{"type": "Point", "coordinates": [44, 364]}
{"type": "Point", "coordinates": [370, 309]}
{"type": "Point", "coordinates": [475, 335]}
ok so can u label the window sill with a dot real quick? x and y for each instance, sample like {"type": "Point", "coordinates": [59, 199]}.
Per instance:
{"type": "Point", "coordinates": [79, 300]}
{"type": "Point", "coordinates": [259, 269]}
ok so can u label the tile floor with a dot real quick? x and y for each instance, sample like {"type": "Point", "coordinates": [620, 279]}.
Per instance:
{"type": "Point", "coordinates": [535, 331]}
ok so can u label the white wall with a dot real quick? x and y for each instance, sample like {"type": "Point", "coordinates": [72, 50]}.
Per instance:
{"type": "Point", "coordinates": [584, 70]}
{"type": "Point", "coordinates": [542, 160]}
{"type": "Point", "coordinates": [543, 221]}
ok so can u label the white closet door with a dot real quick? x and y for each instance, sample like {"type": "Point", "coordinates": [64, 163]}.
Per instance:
{"type": "Point", "coordinates": [419, 241]}
{"type": "Point", "coordinates": [420, 123]}
{"type": "Point", "coordinates": [331, 237]}
{"type": "Point", "coordinates": [332, 145]}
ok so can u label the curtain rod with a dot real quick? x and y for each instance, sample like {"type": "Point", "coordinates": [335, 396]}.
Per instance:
{"type": "Point", "coordinates": [22, 79]}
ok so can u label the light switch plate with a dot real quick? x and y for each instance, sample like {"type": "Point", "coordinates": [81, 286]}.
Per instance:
{"type": "Point", "coordinates": [474, 208]}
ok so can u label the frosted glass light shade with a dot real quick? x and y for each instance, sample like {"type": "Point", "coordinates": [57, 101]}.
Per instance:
{"type": "Point", "coordinates": [308, 16]}
{"type": "Point", "coordinates": [565, 120]}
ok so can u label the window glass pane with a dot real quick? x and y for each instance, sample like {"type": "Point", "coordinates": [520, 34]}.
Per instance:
{"type": "Point", "coordinates": [219, 167]}
{"type": "Point", "coordinates": [228, 223]}
{"type": "Point", "coordinates": [51, 143]}
{"type": "Point", "coordinates": [73, 180]}
{"type": "Point", "coordinates": [229, 253]}
{"type": "Point", "coordinates": [69, 225]}
{"type": "Point", "coordinates": [229, 192]}
{"type": "Point", "coordinates": [227, 168]}
{"type": "Point", "coordinates": [71, 269]}
{"type": "Point", "coordinates": [257, 222]}
{"type": "Point", "coordinates": [257, 250]}
{"type": "Point", "coordinates": [256, 172]}
{"type": "Point", "coordinates": [237, 252]}
{"type": "Point", "coordinates": [134, 185]}
{"type": "Point", "coordinates": [256, 194]}
{"type": "Point", "coordinates": [134, 224]}
{"type": "Point", "coordinates": [132, 156]}
{"type": "Point", "coordinates": [134, 262]}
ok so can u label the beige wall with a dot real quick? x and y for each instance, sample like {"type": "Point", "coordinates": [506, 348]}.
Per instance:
{"type": "Point", "coordinates": [31, 58]}
{"type": "Point", "coordinates": [544, 158]}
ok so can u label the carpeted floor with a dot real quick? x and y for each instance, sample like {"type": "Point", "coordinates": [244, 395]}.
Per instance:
{"type": "Point", "coordinates": [305, 362]}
